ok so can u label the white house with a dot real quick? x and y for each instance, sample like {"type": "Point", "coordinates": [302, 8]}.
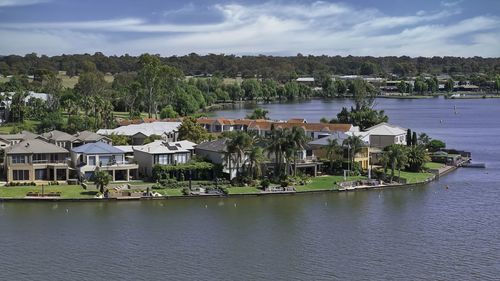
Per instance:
{"type": "Point", "coordinates": [384, 134]}
{"type": "Point", "coordinates": [162, 153]}
{"type": "Point", "coordinates": [87, 158]}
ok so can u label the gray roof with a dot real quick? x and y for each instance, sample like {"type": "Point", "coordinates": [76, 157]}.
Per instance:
{"type": "Point", "coordinates": [34, 146]}
{"type": "Point", "coordinates": [24, 135]}
{"type": "Point", "coordinates": [339, 136]}
{"type": "Point", "coordinates": [216, 145]}
{"type": "Point", "coordinates": [58, 136]}
{"type": "Point", "coordinates": [88, 136]}
{"type": "Point", "coordinates": [97, 148]}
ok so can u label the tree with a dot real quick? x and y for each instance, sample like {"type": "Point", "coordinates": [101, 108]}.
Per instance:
{"type": "Point", "coordinates": [53, 87]}
{"type": "Point", "coordinates": [101, 180]}
{"type": "Point", "coordinates": [254, 162]}
{"type": "Point", "coordinates": [298, 140]}
{"type": "Point", "coordinates": [119, 139]}
{"type": "Point", "coordinates": [423, 139]}
{"type": "Point", "coordinates": [251, 89]}
{"type": "Point", "coordinates": [155, 79]}
{"type": "Point", "coordinates": [367, 68]}
{"type": "Point", "coordinates": [417, 157]}
{"type": "Point", "coordinates": [259, 113]}
{"type": "Point", "coordinates": [397, 158]}
{"type": "Point", "coordinates": [238, 145]}
{"type": "Point", "coordinates": [435, 145]}
{"type": "Point", "coordinates": [414, 140]}
{"type": "Point", "coordinates": [333, 152]}
{"type": "Point", "coordinates": [292, 90]}
{"type": "Point", "coordinates": [497, 83]}
{"type": "Point", "coordinates": [52, 121]}
{"type": "Point", "coordinates": [448, 86]}
{"type": "Point", "coordinates": [168, 112]}
{"type": "Point", "coordinates": [192, 131]}
{"type": "Point", "coordinates": [408, 137]}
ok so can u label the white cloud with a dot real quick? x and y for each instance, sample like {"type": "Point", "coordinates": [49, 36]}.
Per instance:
{"type": "Point", "coordinates": [269, 28]}
{"type": "Point", "coordinates": [11, 3]}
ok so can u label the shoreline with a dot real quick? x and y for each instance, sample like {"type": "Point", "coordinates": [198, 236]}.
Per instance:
{"type": "Point", "coordinates": [435, 177]}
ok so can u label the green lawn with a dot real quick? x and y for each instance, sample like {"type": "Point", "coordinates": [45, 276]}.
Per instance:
{"type": "Point", "coordinates": [325, 183]}
{"type": "Point", "coordinates": [169, 191]}
{"type": "Point", "coordinates": [242, 190]}
{"type": "Point", "coordinates": [67, 191]}
{"type": "Point", "coordinates": [412, 177]}
{"type": "Point", "coordinates": [125, 115]}
{"type": "Point", "coordinates": [433, 165]}
{"type": "Point", "coordinates": [7, 128]}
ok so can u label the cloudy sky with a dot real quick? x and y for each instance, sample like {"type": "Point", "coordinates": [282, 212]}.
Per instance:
{"type": "Point", "coordinates": [356, 27]}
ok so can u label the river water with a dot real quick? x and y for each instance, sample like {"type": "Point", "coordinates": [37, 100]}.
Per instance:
{"type": "Point", "coordinates": [418, 233]}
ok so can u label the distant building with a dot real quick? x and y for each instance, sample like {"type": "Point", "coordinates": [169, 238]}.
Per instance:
{"type": "Point", "coordinates": [168, 131]}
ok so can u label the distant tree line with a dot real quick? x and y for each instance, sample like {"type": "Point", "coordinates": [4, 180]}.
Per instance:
{"type": "Point", "coordinates": [276, 68]}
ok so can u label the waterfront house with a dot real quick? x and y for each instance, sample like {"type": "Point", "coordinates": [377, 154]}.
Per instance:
{"type": "Point", "coordinates": [87, 158]}
{"type": "Point", "coordinates": [312, 130]}
{"type": "Point", "coordinates": [319, 147]}
{"type": "Point", "coordinates": [59, 138]}
{"type": "Point", "coordinates": [216, 152]}
{"type": "Point", "coordinates": [383, 135]}
{"type": "Point", "coordinates": [36, 160]}
{"type": "Point", "coordinates": [161, 152]}
{"type": "Point", "coordinates": [85, 137]}
{"type": "Point", "coordinates": [7, 140]}
{"type": "Point", "coordinates": [167, 131]}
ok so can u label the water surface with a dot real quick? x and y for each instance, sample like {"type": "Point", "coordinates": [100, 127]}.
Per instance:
{"type": "Point", "coordinates": [419, 233]}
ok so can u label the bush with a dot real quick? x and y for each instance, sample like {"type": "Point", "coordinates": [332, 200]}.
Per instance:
{"type": "Point", "coordinates": [435, 145]}
{"type": "Point", "coordinates": [284, 183]}
{"type": "Point", "coordinates": [265, 184]}
{"type": "Point", "coordinates": [186, 191]}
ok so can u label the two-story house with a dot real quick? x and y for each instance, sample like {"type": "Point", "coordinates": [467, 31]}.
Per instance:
{"type": "Point", "coordinates": [36, 160]}
{"type": "Point", "coordinates": [162, 153]}
{"type": "Point", "coordinates": [87, 158]}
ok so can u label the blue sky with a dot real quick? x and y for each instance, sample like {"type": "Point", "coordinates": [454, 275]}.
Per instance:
{"type": "Point", "coordinates": [358, 27]}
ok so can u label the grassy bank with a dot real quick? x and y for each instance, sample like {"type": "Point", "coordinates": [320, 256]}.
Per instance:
{"type": "Point", "coordinates": [67, 191]}
{"type": "Point", "coordinates": [242, 190]}
{"type": "Point", "coordinates": [412, 177]}
{"type": "Point", "coordinates": [433, 165]}
{"type": "Point", "coordinates": [325, 183]}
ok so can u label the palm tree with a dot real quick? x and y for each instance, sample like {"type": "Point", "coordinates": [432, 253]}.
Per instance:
{"type": "Point", "coordinates": [417, 157]}
{"type": "Point", "coordinates": [423, 139]}
{"type": "Point", "coordinates": [397, 157]}
{"type": "Point", "coordinates": [354, 145]}
{"type": "Point", "coordinates": [239, 144]}
{"type": "Point", "coordinates": [298, 140]}
{"type": "Point", "coordinates": [254, 161]}
{"type": "Point", "coordinates": [275, 146]}
{"type": "Point", "coordinates": [101, 180]}
{"type": "Point", "coordinates": [384, 160]}
{"type": "Point", "coordinates": [333, 150]}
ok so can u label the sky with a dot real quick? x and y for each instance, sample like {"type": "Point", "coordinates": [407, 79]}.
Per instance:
{"type": "Point", "coordinates": [413, 28]}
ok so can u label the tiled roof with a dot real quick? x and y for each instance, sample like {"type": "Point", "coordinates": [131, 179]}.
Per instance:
{"type": "Point", "coordinates": [215, 146]}
{"type": "Point", "coordinates": [56, 135]}
{"type": "Point", "coordinates": [88, 136]}
{"type": "Point", "coordinates": [34, 146]}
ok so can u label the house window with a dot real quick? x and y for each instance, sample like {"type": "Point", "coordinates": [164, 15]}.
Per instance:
{"type": "Point", "coordinates": [18, 159]}
{"type": "Point", "coordinates": [163, 159]}
{"type": "Point", "coordinates": [181, 158]}
{"type": "Point", "coordinates": [40, 174]}
{"type": "Point", "coordinates": [38, 158]}
{"type": "Point", "coordinates": [20, 175]}
{"type": "Point", "coordinates": [104, 160]}
{"type": "Point", "coordinates": [91, 161]}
